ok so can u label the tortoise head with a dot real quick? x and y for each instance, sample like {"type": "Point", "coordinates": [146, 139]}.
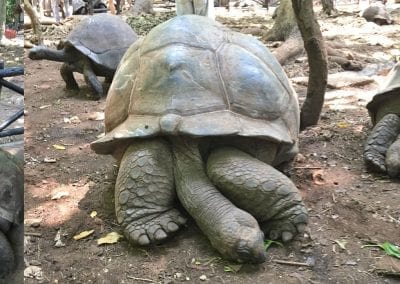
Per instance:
{"type": "Point", "coordinates": [37, 53]}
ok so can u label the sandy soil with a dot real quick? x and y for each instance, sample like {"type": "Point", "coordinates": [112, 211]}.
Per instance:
{"type": "Point", "coordinates": [349, 207]}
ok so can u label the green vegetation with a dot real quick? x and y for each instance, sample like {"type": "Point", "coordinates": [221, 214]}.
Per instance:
{"type": "Point", "coordinates": [10, 7]}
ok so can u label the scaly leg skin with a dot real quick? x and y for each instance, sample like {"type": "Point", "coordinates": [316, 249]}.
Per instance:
{"type": "Point", "coordinates": [91, 79]}
{"type": "Point", "coordinates": [67, 74]}
{"type": "Point", "coordinates": [232, 231]}
{"type": "Point", "coordinates": [381, 137]}
{"type": "Point", "coordinates": [393, 159]}
{"type": "Point", "coordinates": [6, 257]}
{"type": "Point", "coordinates": [145, 195]}
{"type": "Point", "coordinates": [267, 194]}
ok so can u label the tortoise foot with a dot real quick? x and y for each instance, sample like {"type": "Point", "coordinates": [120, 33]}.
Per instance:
{"type": "Point", "coordinates": [154, 228]}
{"type": "Point", "coordinates": [145, 195]}
{"type": "Point", "coordinates": [393, 159]}
{"type": "Point", "coordinates": [264, 192]}
{"type": "Point", "coordinates": [379, 140]}
{"type": "Point", "coordinates": [287, 224]}
{"type": "Point", "coordinates": [6, 256]}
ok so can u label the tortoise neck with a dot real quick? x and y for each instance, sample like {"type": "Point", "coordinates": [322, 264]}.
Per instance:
{"type": "Point", "coordinates": [53, 55]}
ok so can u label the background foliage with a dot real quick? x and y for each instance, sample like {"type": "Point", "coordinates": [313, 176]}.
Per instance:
{"type": "Point", "coordinates": [10, 7]}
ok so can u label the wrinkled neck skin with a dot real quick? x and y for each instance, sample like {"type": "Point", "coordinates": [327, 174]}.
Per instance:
{"type": "Point", "coordinates": [39, 53]}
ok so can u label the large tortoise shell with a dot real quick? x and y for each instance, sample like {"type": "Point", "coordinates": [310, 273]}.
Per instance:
{"type": "Point", "coordinates": [193, 76]}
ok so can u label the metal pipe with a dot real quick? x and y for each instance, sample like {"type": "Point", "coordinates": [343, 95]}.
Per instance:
{"type": "Point", "coordinates": [11, 119]}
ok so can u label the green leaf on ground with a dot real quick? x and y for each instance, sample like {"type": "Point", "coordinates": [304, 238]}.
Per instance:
{"type": "Point", "coordinates": [268, 243]}
{"type": "Point", "coordinates": [389, 248]}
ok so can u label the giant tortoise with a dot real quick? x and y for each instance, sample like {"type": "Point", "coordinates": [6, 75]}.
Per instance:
{"type": "Point", "coordinates": [382, 148]}
{"type": "Point", "coordinates": [11, 207]}
{"type": "Point", "coordinates": [94, 48]}
{"type": "Point", "coordinates": [199, 110]}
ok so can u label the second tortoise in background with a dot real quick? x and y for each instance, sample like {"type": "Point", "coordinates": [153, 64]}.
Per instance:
{"type": "Point", "coordinates": [382, 149]}
{"type": "Point", "coordinates": [94, 48]}
{"type": "Point", "coordinates": [199, 111]}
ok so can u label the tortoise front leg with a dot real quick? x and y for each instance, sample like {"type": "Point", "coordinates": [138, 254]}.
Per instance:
{"type": "Point", "coordinates": [68, 76]}
{"type": "Point", "coordinates": [91, 79]}
{"type": "Point", "coordinates": [379, 140]}
{"type": "Point", "coordinates": [232, 231]}
{"type": "Point", "coordinates": [7, 259]}
{"type": "Point", "coordinates": [145, 195]}
{"type": "Point", "coordinates": [267, 194]}
{"type": "Point", "coordinates": [393, 158]}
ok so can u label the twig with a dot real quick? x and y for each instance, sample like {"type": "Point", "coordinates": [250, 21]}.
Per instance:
{"type": "Point", "coordinates": [140, 279]}
{"type": "Point", "coordinates": [333, 198]}
{"type": "Point", "coordinates": [311, 168]}
{"type": "Point", "coordinates": [294, 263]}
{"type": "Point", "coordinates": [32, 234]}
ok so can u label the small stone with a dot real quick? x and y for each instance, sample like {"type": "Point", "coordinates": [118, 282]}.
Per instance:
{"type": "Point", "coordinates": [178, 275]}
{"type": "Point", "coordinates": [203, 277]}
{"type": "Point", "coordinates": [351, 262]}
{"type": "Point", "coordinates": [34, 222]}
{"type": "Point", "coordinates": [35, 262]}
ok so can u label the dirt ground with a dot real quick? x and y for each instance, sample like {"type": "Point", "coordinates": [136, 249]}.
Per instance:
{"type": "Point", "coordinates": [349, 207]}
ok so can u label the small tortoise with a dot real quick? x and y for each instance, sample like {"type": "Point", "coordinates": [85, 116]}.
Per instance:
{"type": "Point", "coordinates": [382, 149]}
{"type": "Point", "coordinates": [11, 208]}
{"type": "Point", "coordinates": [209, 112]}
{"type": "Point", "coordinates": [94, 48]}
{"type": "Point", "coordinates": [377, 13]}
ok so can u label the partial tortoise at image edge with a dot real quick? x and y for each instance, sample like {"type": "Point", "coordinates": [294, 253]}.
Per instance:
{"type": "Point", "coordinates": [382, 148]}
{"type": "Point", "coordinates": [11, 212]}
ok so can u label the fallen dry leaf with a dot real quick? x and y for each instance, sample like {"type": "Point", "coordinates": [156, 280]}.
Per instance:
{"type": "Point", "coordinates": [58, 147]}
{"type": "Point", "coordinates": [58, 240]}
{"type": "Point", "coordinates": [49, 160]}
{"type": "Point", "coordinates": [110, 238]}
{"type": "Point", "coordinates": [318, 177]}
{"type": "Point", "coordinates": [342, 124]}
{"type": "Point", "coordinates": [59, 194]}
{"type": "Point", "coordinates": [93, 214]}
{"type": "Point", "coordinates": [97, 116]}
{"type": "Point", "coordinates": [83, 234]}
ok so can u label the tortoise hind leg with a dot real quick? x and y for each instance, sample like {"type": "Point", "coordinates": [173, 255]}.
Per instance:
{"type": "Point", "coordinates": [232, 231]}
{"type": "Point", "coordinates": [267, 194]}
{"type": "Point", "coordinates": [91, 79]}
{"type": "Point", "coordinates": [381, 137]}
{"type": "Point", "coordinates": [145, 195]}
{"type": "Point", "coordinates": [68, 76]}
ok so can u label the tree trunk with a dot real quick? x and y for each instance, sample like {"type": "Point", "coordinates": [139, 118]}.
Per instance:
{"type": "Point", "coordinates": [285, 23]}
{"type": "Point", "coordinates": [317, 62]}
{"type": "Point", "coordinates": [2, 17]}
{"type": "Point", "coordinates": [290, 48]}
{"type": "Point", "coordinates": [34, 20]}
{"type": "Point", "coordinates": [142, 6]}
{"type": "Point", "coordinates": [111, 6]}
{"type": "Point", "coordinates": [327, 6]}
